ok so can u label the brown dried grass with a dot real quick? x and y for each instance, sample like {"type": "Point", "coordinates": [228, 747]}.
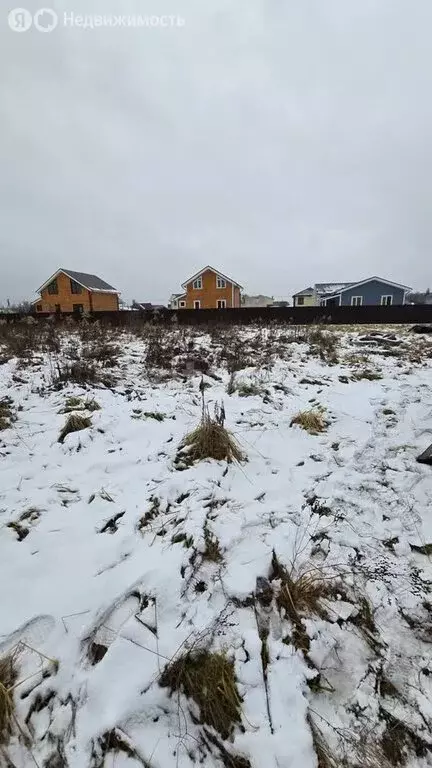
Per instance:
{"type": "Point", "coordinates": [208, 679]}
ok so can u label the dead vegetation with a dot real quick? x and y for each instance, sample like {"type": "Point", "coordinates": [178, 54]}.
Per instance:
{"type": "Point", "coordinates": [323, 344]}
{"type": "Point", "coordinates": [299, 594]}
{"type": "Point", "coordinates": [212, 550]}
{"type": "Point", "coordinates": [137, 413]}
{"type": "Point", "coordinates": [115, 742]}
{"type": "Point", "coordinates": [152, 513]}
{"type": "Point", "coordinates": [76, 372]}
{"type": "Point", "coordinates": [366, 373]}
{"type": "Point", "coordinates": [210, 440]}
{"type": "Point", "coordinates": [249, 389]}
{"type": "Point", "coordinates": [75, 423]}
{"type": "Point", "coordinates": [8, 677]}
{"type": "Point", "coordinates": [209, 679]}
{"type": "Point", "coordinates": [311, 421]}
{"type": "Point", "coordinates": [77, 404]}
{"type": "Point", "coordinates": [398, 737]}
{"type": "Point", "coordinates": [7, 413]}
{"type": "Point", "coordinates": [105, 353]}
{"type": "Point", "coordinates": [22, 525]}
{"type": "Point", "coordinates": [325, 756]}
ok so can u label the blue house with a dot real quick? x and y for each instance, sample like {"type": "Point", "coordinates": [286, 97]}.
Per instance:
{"type": "Point", "coordinates": [374, 290]}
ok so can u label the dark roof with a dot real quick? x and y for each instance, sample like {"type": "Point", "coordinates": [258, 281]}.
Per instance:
{"type": "Point", "coordinates": [89, 281]}
{"type": "Point", "coordinates": [148, 305]}
{"type": "Point", "coordinates": [305, 292]}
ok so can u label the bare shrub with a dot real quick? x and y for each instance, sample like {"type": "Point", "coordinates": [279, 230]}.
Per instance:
{"type": "Point", "coordinates": [76, 372]}
{"type": "Point", "coordinates": [106, 354]}
{"type": "Point", "coordinates": [323, 344]}
{"type": "Point", "coordinates": [23, 339]}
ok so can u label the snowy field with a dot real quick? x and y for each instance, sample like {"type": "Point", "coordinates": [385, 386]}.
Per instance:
{"type": "Point", "coordinates": [305, 567]}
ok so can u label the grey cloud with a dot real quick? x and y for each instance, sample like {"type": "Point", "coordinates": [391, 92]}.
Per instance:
{"type": "Point", "coordinates": [286, 143]}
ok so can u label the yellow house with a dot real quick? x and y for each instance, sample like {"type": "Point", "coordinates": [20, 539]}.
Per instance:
{"type": "Point", "coordinates": [68, 291]}
{"type": "Point", "coordinates": [305, 298]}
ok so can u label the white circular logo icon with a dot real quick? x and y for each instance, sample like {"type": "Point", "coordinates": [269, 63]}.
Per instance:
{"type": "Point", "coordinates": [20, 20]}
{"type": "Point", "coordinates": [45, 20]}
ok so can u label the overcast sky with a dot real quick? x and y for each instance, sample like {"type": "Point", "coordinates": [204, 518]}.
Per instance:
{"type": "Point", "coordinates": [285, 142]}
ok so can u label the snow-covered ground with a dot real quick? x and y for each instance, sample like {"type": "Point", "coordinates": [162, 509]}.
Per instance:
{"type": "Point", "coordinates": [109, 573]}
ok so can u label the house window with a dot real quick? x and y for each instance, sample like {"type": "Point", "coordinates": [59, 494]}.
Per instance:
{"type": "Point", "coordinates": [182, 304]}
{"type": "Point", "coordinates": [300, 301]}
{"type": "Point", "coordinates": [387, 301]}
{"type": "Point", "coordinates": [197, 284]}
{"type": "Point", "coordinates": [38, 307]}
{"type": "Point", "coordinates": [53, 288]}
{"type": "Point", "coordinates": [356, 301]}
{"type": "Point", "coordinates": [221, 303]}
{"type": "Point", "coordinates": [220, 282]}
{"type": "Point", "coordinates": [197, 305]}
{"type": "Point", "coordinates": [77, 307]}
{"type": "Point", "coordinates": [75, 287]}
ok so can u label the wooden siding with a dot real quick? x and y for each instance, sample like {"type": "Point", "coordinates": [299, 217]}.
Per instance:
{"type": "Point", "coordinates": [209, 294]}
{"type": "Point", "coordinates": [91, 301]}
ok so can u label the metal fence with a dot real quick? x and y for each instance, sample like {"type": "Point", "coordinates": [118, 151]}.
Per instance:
{"type": "Point", "coordinates": [406, 314]}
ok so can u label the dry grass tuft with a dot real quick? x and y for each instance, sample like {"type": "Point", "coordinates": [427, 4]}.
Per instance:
{"type": "Point", "coordinates": [75, 423]}
{"type": "Point", "coordinates": [398, 738]}
{"type": "Point", "coordinates": [91, 405]}
{"type": "Point", "coordinates": [311, 421]}
{"type": "Point", "coordinates": [249, 389]}
{"type": "Point", "coordinates": [71, 404]}
{"type": "Point", "coordinates": [8, 677]}
{"type": "Point", "coordinates": [210, 440]}
{"type": "Point", "coordinates": [7, 415]}
{"type": "Point", "coordinates": [76, 404]}
{"type": "Point", "coordinates": [370, 755]}
{"type": "Point", "coordinates": [325, 757]}
{"type": "Point", "coordinates": [299, 594]}
{"type": "Point", "coordinates": [212, 550]}
{"type": "Point", "coordinates": [366, 373]}
{"type": "Point", "coordinates": [208, 679]}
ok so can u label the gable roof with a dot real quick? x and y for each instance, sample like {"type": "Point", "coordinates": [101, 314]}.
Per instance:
{"type": "Point", "coordinates": [330, 288]}
{"type": "Point", "coordinates": [212, 269]}
{"type": "Point", "coordinates": [91, 282]}
{"type": "Point", "coordinates": [305, 292]}
{"type": "Point", "coordinates": [347, 286]}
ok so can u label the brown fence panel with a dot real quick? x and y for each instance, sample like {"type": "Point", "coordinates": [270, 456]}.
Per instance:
{"type": "Point", "coordinates": [406, 314]}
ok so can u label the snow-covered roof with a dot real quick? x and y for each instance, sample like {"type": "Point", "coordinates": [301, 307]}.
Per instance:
{"type": "Point", "coordinates": [338, 288]}
{"type": "Point", "coordinates": [329, 288]}
{"type": "Point", "coordinates": [305, 292]}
